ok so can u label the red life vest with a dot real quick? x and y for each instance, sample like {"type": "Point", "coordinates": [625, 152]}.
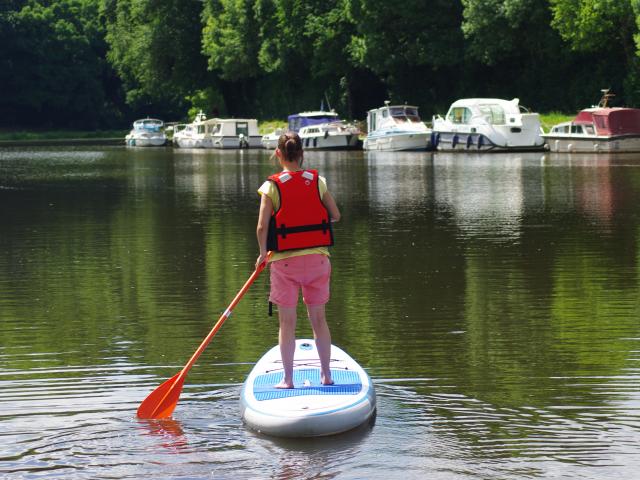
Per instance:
{"type": "Point", "coordinates": [302, 221]}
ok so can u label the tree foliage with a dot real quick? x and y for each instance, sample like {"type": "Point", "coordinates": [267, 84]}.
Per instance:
{"type": "Point", "coordinates": [94, 62]}
{"type": "Point", "coordinates": [52, 66]}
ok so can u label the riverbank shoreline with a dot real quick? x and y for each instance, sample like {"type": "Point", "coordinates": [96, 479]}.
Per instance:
{"type": "Point", "coordinates": [61, 142]}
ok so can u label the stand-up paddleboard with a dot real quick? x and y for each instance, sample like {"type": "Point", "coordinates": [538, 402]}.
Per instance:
{"type": "Point", "coordinates": [310, 409]}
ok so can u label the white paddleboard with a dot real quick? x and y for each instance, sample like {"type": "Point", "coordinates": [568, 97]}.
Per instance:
{"type": "Point", "coordinates": [310, 409]}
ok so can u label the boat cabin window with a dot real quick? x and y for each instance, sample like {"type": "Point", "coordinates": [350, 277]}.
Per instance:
{"type": "Point", "coordinates": [576, 129]}
{"type": "Point", "coordinates": [242, 128]}
{"type": "Point", "coordinates": [493, 113]}
{"type": "Point", "coordinates": [459, 115]}
{"type": "Point", "coordinates": [589, 129]}
{"type": "Point", "coordinates": [405, 114]}
{"type": "Point", "coordinates": [201, 128]}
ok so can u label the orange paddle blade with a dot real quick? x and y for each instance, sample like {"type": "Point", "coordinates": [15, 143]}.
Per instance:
{"type": "Point", "coordinates": [163, 400]}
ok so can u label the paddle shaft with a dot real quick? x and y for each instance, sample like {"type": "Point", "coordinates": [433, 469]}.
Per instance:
{"type": "Point", "coordinates": [226, 314]}
{"type": "Point", "coordinates": [162, 401]}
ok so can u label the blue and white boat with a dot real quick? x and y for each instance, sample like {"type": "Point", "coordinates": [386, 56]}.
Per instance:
{"type": "Point", "coordinates": [146, 132]}
{"type": "Point", "coordinates": [310, 409]}
{"type": "Point", "coordinates": [318, 130]}
{"type": "Point", "coordinates": [482, 124]}
{"type": "Point", "coordinates": [396, 127]}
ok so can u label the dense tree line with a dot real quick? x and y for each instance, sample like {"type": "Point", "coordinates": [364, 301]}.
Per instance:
{"type": "Point", "coordinates": [99, 63]}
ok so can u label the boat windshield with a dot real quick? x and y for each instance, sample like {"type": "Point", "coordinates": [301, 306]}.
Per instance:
{"type": "Point", "coordinates": [494, 113]}
{"type": "Point", "coordinates": [459, 115]}
{"type": "Point", "coordinates": [150, 125]}
{"type": "Point", "coordinates": [405, 114]}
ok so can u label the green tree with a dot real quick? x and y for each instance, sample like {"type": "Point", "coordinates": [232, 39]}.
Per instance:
{"type": "Point", "coordinates": [156, 49]}
{"type": "Point", "coordinates": [52, 63]}
{"type": "Point", "coordinates": [605, 30]}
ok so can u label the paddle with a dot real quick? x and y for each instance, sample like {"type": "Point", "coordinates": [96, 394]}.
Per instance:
{"type": "Point", "coordinates": [162, 401]}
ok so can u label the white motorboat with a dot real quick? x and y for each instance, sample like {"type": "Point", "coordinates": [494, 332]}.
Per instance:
{"type": "Point", "coordinates": [146, 132]}
{"type": "Point", "coordinates": [337, 135]}
{"type": "Point", "coordinates": [218, 133]}
{"type": "Point", "coordinates": [192, 135]}
{"type": "Point", "coordinates": [487, 124]}
{"type": "Point", "coordinates": [318, 130]}
{"type": "Point", "coordinates": [396, 127]}
{"type": "Point", "coordinates": [270, 140]}
{"type": "Point", "coordinates": [598, 129]}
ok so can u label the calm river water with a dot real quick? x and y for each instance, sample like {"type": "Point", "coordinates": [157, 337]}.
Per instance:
{"type": "Point", "coordinates": [493, 299]}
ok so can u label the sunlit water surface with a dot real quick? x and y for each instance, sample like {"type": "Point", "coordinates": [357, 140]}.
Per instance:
{"type": "Point", "coordinates": [494, 300]}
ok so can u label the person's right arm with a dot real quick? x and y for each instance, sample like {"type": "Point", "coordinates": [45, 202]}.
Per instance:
{"type": "Point", "coordinates": [266, 210]}
{"type": "Point", "coordinates": [330, 205]}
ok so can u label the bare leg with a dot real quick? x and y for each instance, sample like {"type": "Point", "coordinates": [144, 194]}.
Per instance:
{"type": "Point", "coordinates": [287, 338]}
{"type": "Point", "coordinates": [323, 340]}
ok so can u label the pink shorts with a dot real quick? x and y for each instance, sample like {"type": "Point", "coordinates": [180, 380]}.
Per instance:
{"type": "Point", "coordinates": [309, 272]}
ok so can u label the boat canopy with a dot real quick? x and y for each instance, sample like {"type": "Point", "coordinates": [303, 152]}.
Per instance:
{"type": "Point", "coordinates": [305, 119]}
{"type": "Point", "coordinates": [611, 121]}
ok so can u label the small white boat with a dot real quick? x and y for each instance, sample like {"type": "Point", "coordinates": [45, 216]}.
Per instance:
{"type": "Point", "coordinates": [337, 135]}
{"type": "Point", "coordinates": [310, 409]}
{"type": "Point", "coordinates": [146, 132]}
{"type": "Point", "coordinates": [395, 128]}
{"type": "Point", "coordinates": [270, 140]}
{"type": "Point", "coordinates": [598, 129]}
{"type": "Point", "coordinates": [192, 135]}
{"type": "Point", "coordinates": [234, 133]}
{"type": "Point", "coordinates": [218, 133]}
{"type": "Point", "coordinates": [318, 130]}
{"type": "Point", "coordinates": [487, 124]}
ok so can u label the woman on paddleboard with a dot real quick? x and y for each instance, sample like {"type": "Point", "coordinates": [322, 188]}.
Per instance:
{"type": "Point", "coordinates": [296, 212]}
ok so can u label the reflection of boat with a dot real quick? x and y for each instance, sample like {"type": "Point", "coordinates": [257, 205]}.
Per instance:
{"type": "Point", "coordinates": [396, 127]}
{"type": "Point", "coordinates": [598, 129]}
{"type": "Point", "coordinates": [218, 133]}
{"type": "Point", "coordinates": [147, 132]}
{"type": "Point", "coordinates": [318, 130]}
{"type": "Point", "coordinates": [310, 409]}
{"type": "Point", "coordinates": [487, 124]}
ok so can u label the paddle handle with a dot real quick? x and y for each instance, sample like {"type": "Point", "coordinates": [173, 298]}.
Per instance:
{"type": "Point", "coordinates": [226, 314]}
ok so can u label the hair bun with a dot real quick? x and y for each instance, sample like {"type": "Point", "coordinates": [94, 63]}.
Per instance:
{"type": "Point", "coordinates": [290, 145]}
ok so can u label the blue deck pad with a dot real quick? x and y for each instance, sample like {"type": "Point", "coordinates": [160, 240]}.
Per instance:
{"type": "Point", "coordinates": [345, 382]}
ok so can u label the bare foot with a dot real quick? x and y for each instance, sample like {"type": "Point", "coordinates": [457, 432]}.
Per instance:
{"type": "Point", "coordinates": [284, 384]}
{"type": "Point", "coordinates": [326, 381]}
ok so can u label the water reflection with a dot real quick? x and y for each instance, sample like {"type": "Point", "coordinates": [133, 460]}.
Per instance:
{"type": "Point", "coordinates": [492, 298]}
{"type": "Point", "coordinates": [485, 194]}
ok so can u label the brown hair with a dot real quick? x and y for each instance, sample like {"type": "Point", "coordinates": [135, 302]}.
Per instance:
{"type": "Point", "coordinates": [290, 146]}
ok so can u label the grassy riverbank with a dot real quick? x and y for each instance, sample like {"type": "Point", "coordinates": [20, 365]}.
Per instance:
{"type": "Point", "coordinates": [26, 135]}
{"type": "Point", "coordinates": [548, 120]}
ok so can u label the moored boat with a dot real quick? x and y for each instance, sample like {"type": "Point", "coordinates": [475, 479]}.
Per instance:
{"type": "Point", "coordinates": [192, 135]}
{"type": "Point", "coordinates": [218, 133]}
{"type": "Point", "coordinates": [234, 133]}
{"type": "Point", "coordinates": [310, 409]}
{"type": "Point", "coordinates": [146, 132]}
{"type": "Point", "coordinates": [395, 128]}
{"type": "Point", "coordinates": [483, 124]}
{"type": "Point", "coordinates": [318, 130]}
{"type": "Point", "coordinates": [598, 129]}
